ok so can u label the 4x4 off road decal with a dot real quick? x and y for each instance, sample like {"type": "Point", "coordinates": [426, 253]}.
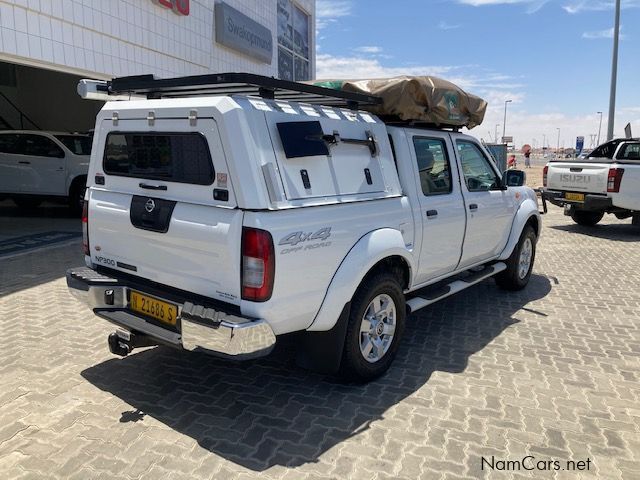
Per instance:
{"type": "Point", "coordinates": [320, 238]}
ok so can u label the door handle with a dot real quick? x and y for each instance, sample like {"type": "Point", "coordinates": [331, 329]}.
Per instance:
{"type": "Point", "coordinates": [24, 162]}
{"type": "Point", "coordinates": [473, 206]}
{"type": "Point", "coordinates": [146, 186]}
{"type": "Point", "coordinates": [432, 213]}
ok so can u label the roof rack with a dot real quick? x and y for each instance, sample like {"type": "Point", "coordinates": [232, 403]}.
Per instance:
{"type": "Point", "coordinates": [236, 84]}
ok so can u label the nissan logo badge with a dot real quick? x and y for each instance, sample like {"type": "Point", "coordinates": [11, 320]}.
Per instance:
{"type": "Point", "coordinates": [150, 205]}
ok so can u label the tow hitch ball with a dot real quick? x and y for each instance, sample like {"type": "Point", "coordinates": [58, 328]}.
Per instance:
{"type": "Point", "coordinates": [122, 342]}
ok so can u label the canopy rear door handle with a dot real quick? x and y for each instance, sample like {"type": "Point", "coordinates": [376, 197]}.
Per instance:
{"type": "Point", "coordinates": [146, 186]}
{"type": "Point", "coordinates": [473, 206]}
{"type": "Point", "coordinates": [24, 162]}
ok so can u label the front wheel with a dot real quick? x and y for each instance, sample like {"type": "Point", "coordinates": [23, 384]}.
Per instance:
{"type": "Point", "coordinates": [520, 263]}
{"type": "Point", "coordinates": [586, 218]}
{"type": "Point", "coordinates": [376, 324]}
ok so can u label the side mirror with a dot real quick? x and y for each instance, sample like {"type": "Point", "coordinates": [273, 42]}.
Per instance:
{"type": "Point", "coordinates": [514, 178]}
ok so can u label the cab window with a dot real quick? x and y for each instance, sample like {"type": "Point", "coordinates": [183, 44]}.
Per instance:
{"type": "Point", "coordinates": [605, 150]}
{"type": "Point", "coordinates": [433, 165]}
{"type": "Point", "coordinates": [78, 144]}
{"type": "Point", "coordinates": [629, 151]}
{"type": "Point", "coordinates": [477, 170]}
{"type": "Point", "coordinates": [39, 146]}
{"type": "Point", "coordinates": [8, 143]}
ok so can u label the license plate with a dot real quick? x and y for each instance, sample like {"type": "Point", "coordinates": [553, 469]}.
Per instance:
{"type": "Point", "coordinates": [154, 308]}
{"type": "Point", "coordinates": [576, 197]}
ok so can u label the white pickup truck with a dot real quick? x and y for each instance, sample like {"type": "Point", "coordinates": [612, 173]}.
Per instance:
{"type": "Point", "coordinates": [606, 181]}
{"type": "Point", "coordinates": [218, 221]}
{"type": "Point", "coordinates": [36, 166]}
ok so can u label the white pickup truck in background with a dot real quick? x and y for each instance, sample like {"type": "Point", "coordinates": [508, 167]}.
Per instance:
{"type": "Point", "coordinates": [220, 221]}
{"type": "Point", "coordinates": [607, 181]}
{"type": "Point", "coordinates": [36, 166]}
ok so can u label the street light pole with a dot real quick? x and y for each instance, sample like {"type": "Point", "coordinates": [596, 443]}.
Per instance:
{"type": "Point", "coordinates": [497, 125]}
{"type": "Point", "coordinates": [599, 128]}
{"type": "Point", "coordinates": [558, 146]}
{"type": "Point", "coordinates": [614, 73]}
{"type": "Point", "coordinates": [504, 125]}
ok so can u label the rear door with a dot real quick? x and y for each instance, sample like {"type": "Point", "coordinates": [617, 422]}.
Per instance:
{"type": "Point", "coordinates": [490, 211]}
{"type": "Point", "coordinates": [441, 204]}
{"type": "Point", "coordinates": [166, 211]}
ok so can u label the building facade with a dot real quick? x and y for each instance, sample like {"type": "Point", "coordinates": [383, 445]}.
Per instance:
{"type": "Point", "coordinates": [106, 38]}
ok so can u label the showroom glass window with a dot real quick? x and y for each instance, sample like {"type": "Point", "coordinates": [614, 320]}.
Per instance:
{"type": "Point", "coordinates": [293, 42]}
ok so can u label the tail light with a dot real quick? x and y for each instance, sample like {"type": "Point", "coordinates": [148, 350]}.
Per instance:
{"type": "Point", "coordinates": [85, 228]}
{"type": "Point", "coordinates": [545, 170]}
{"type": "Point", "coordinates": [258, 265]}
{"type": "Point", "coordinates": [614, 179]}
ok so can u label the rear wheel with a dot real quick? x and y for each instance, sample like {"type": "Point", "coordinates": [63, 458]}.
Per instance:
{"type": "Point", "coordinates": [586, 218]}
{"type": "Point", "coordinates": [520, 263]}
{"type": "Point", "coordinates": [76, 195]}
{"type": "Point", "coordinates": [375, 327]}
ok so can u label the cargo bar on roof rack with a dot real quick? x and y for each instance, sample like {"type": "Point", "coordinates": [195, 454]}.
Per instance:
{"type": "Point", "coordinates": [237, 84]}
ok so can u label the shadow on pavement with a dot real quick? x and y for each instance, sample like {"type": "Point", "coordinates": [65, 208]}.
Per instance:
{"type": "Point", "coordinates": [47, 210]}
{"type": "Point", "coordinates": [268, 412]}
{"type": "Point", "coordinates": [26, 239]}
{"type": "Point", "coordinates": [618, 232]}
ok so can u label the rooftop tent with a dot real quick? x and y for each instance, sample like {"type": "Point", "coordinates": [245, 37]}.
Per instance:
{"type": "Point", "coordinates": [429, 100]}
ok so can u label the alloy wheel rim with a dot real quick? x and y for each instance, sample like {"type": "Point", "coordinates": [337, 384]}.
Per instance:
{"type": "Point", "coordinates": [526, 253]}
{"type": "Point", "coordinates": [377, 328]}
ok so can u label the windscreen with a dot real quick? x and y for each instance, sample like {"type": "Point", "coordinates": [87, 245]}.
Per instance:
{"type": "Point", "coordinates": [77, 144]}
{"type": "Point", "coordinates": [173, 157]}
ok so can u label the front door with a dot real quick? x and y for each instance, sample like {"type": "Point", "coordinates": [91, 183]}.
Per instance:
{"type": "Point", "coordinates": [441, 205]}
{"type": "Point", "coordinates": [490, 210]}
{"type": "Point", "coordinates": [42, 166]}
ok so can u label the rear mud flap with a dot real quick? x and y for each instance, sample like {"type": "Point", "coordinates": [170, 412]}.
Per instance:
{"type": "Point", "coordinates": [321, 352]}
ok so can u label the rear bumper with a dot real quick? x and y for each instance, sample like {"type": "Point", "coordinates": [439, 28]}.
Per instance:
{"type": "Point", "coordinates": [198, 327]}
{"type": "Point", "coordinates": [591, 202]}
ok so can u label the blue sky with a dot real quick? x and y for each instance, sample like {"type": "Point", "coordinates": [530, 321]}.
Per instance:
{"type": "Point", "coordinates": [551, 57]}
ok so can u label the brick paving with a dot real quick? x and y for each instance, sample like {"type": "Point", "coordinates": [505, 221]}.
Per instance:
{"type": "Point", "coordinates": [551, 372]}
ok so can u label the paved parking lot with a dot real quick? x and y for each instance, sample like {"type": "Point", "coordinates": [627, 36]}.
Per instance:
{"type": "Point", "coordinates": [551, 372]}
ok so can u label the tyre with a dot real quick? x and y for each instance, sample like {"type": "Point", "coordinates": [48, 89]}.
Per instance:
{"type": "Point", "coordinates": [27, 203]}
{"type": "Point", "coordinates": [76, 196]}
{"type": "Point", "coordinates": [374, 329]}
{"type": "Point", "coordinates": [586, 218]}
{"type": "Point", "coordinates": [520, 263]}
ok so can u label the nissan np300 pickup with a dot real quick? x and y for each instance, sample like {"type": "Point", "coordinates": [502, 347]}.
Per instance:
{"type": "Point", "coordinates": [216, 220]}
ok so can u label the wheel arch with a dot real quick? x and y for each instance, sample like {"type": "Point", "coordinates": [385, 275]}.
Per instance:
{"type": "Point", "coordinates": [378, 251]}
{"type": "Point", "coordinates": [75, 179]}
{"type": "Point", "coordinates": [527, 215]}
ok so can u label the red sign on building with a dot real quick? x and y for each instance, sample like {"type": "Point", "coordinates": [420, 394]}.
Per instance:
{"type": "Point", "coordinates": [179, 7]}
